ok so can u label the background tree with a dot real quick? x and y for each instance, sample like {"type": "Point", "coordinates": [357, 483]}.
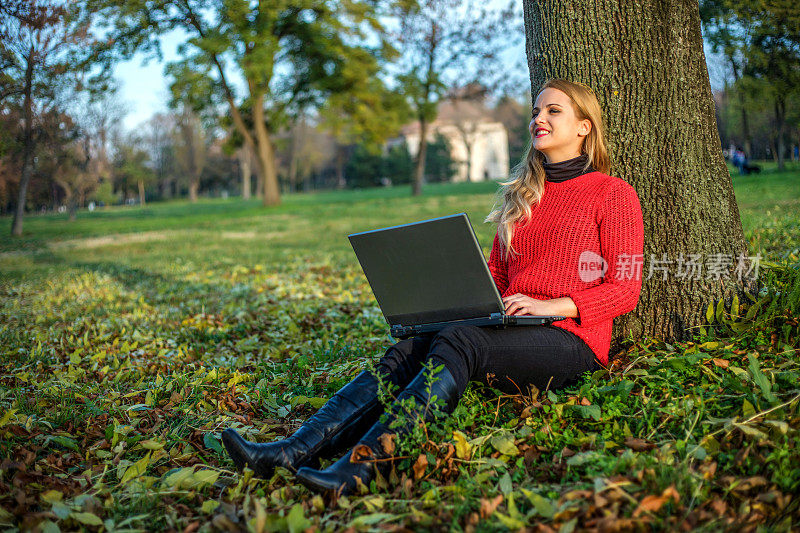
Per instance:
{"type": "Point", "coordinates": [39, 43]}
{"type": "Point", "coordinates": [444, 42]}
{"type": "Point", "coordinates": [190, 149]}
{"type": "Point", "coordinates": [246, 163]}
{"type": "Point", "coordinates": [761, 40]}
{"type": "Point", "coordinates": [368, 119]}
{"type": "Point", "coordinates": [469, 110]}
{"type": "Point", "coordinates": [304, 148]}
{"type": "Point", "coordinates": [439, 165]}
{"type": "Point", "coordinates": [158, 140]}
{"type": "Point", "coordinates": [515, 114]}
{"type": "Point", "coordinates": [646, 63]}
{"type": "Point", "coordinates": [288, 54]}
{"type": "Point", "coordinates": [132, 171]}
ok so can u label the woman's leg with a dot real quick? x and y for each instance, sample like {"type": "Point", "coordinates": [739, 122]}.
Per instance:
{"type": "Point", "coordinates": [434, 392]}
{"type": "Point", "coordinates": [542, 356]}
{"type": "Point", "coordinates": [339, 423]}
{"type": "Point", "coordinates": [512, 359]}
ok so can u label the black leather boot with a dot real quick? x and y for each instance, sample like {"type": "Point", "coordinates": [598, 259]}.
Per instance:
{"type": "Point", "coordinates": [343, 475]}
{"type": "Point", "coordinates": [334, 428]}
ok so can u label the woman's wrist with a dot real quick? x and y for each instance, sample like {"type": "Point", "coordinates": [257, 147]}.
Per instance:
{"type": "Point", "coordinates": [563, 307]}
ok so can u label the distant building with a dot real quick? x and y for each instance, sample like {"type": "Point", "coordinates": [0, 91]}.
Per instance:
{"type": "Point", "coordinates": [478, 143]}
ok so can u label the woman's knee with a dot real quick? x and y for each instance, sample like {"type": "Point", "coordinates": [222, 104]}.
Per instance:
{"type": "Point", "coordinates": [460, 346]}
{"type": "Point", "coordinates": [457, 335]}
{"type": "Point", "coordinates": [404, 358]}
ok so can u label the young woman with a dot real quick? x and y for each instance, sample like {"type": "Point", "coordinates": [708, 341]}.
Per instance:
{"type": "Point", "coordinates": [569, 242]}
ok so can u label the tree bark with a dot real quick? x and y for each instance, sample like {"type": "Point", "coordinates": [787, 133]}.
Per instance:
{"type": "Point", "coordinates": [27, 149]}
{"type": "Point", "coordinates": [72, 208]}
{"type": "Point", "coordinates": [419, 171]}
{"type": "Point", "coordinates": [780, 144]}
{"type": "Point", "coordinates": [264, 151]}
{"type": "Point", "coordinates": [141, 193]}
{"type": "Point", "coordinates": [747, 143]}
{"type": "Point", "coordinates": [341, 157]}
{"type": "Point", "coordinates": [244, 161]}
{"type": "Point", "coordinates": [645, 62]}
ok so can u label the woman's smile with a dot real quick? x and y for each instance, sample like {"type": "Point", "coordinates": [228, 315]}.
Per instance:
{"type": "Point", "coordinates": [555, 129]}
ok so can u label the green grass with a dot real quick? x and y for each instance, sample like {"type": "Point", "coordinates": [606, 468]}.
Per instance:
{"type": "Point", "coordinates": [130, 338]}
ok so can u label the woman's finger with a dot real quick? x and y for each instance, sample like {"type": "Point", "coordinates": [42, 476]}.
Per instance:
{"type": "Point", "coordinates": [516, 308]}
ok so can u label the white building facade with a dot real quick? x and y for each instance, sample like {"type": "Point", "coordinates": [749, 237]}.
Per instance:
{"type": "Point", "coordinates": [478, 143]}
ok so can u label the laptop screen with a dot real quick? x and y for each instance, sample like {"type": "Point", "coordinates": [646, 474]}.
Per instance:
{"type": "Point", "coordinates": [427, 271]}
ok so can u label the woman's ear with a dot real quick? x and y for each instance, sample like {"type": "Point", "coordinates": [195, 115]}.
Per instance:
{"type": "Point", "coordinates": [584, 127]}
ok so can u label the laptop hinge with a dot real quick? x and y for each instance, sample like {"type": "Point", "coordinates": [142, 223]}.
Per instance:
{"type": "Point", "coordinates": [398, 330]}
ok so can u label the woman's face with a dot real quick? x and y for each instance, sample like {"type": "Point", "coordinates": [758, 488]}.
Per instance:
{"type": "Point", "coordinates": [555, 129]}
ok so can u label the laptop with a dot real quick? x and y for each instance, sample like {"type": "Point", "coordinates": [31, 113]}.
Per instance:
{"type": "Point", "coordinates": [429, 274]}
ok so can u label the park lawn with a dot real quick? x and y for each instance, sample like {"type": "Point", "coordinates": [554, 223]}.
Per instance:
{"type": "Point", "coordinates": [130, 338]}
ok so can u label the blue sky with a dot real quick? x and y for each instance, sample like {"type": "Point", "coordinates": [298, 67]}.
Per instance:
{"type": "Point", "coordinates": [144, 87]}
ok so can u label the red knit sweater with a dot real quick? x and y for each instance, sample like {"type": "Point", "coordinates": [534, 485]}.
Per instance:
{"type": "Point", "coordinates": [590, 214]}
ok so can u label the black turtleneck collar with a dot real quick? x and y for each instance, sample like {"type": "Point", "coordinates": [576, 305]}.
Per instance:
{"type": "Point", "coordinates": [564, 170]}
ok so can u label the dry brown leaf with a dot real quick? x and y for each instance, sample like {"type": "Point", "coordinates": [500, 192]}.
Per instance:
{"type": "Point", "coordinates": [387, 442]}
{"type": "Point", "coordinates": [750, 483]}
{"type": "Point", "coordinates": [192, 527]}
{"type": "Point", "coordinates": [671, 492]}
{"type": "Point", "coordinates": [420, 465]}
{"type": "Point", "coordinates": [585, 401]}
{"type": "Point", "coordinates": [638, 445]}
{"type": "Point", "coordinates": [650, 504]}
{"type": "Point", "coordinates": [722, 363]}
{"type": "Point", "coordinates": [488, 506]}
{"type": "Point", "coordinates": [719, 506]}
{"type": "Point", "coordinates": [599, 501]}
{"type": "Point", "coordinates": [361, 453]}
{"type": "Point", "coordinates": [451, 450]}
{"type": "Point", "coordinates": [577, 495]}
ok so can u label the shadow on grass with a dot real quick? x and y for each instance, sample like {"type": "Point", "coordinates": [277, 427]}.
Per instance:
{"type": "Point", "coordinates": [158, 288]}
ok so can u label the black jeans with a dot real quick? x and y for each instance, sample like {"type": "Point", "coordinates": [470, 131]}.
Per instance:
{"type": "Point", "coordinates": [509, 359]}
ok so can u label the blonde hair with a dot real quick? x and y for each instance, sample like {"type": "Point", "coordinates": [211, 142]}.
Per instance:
{"type": "Point", "coordinates": [526, 186]}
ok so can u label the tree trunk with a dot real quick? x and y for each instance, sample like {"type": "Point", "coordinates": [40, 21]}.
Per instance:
{"type": "Point", "coordinates": [265, 152]}
{"type": "Point", "coordinates": [747, 144]}
{"type": "Point", "coordinates": [244, 161]}
{"type": "Point", "coordinates": [193, 186]}
{"type": "Point", "coordinates": [645, 62]}
{"type": "Point", "coordinates": [780, 144]}
{"type": "Point", "coordinates": [341, 154]}
{"type": "Point", "coordinates": [419, 170]}
{"type": "Point", "coordinates": [141, 193]}
{"type": "Point", "coordinates": [292, 171]}
{"type": "Point", "coordinates": [72, 208]}
{"type": "Point", "coordinates": [747, 147]}
{"type": "Point", "coordinates": [27, 149]}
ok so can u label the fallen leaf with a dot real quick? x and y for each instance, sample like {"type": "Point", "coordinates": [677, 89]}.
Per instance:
{"type": "Point", "coordinates": [638, 445]}
{"type": "Point", "coordinates": [387, 442]}
{"type": "Point", "coordinates": [361, 453]}
{"type": "Point", "coordinates": [650, 504]}
{"type": "Point", "coordinates": [463, 448]}
{"type": "Point", "coordinates": [489, 506]}
{"type": "Point", "coordinates": [420, 465]}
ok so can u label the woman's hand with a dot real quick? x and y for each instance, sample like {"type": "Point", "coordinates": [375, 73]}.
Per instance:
{"type": "Point", "coordinates": [520, 304]}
